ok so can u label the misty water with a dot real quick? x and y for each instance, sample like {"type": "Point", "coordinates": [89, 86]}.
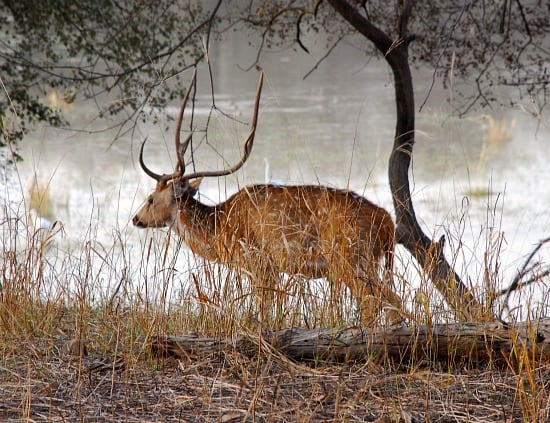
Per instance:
{"type": "Point", "coordinates": [483, 180]}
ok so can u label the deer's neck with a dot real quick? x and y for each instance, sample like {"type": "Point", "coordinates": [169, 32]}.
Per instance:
{"type": "Point", "coordinates": [197, 223]}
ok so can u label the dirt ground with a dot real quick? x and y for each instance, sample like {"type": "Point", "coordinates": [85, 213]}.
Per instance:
{"type": "Point", "coordinates": [247, 386]}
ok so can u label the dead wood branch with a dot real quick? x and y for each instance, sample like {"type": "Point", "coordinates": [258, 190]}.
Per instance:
{"type": "Point", "coordinates": [471, 342]}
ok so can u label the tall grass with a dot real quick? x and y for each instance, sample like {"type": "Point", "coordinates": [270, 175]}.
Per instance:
{"type": "Point", "coordinates": [169, 290]}
{"type": "Point", "coordinates": [498, 134]}
{"type": "Point", "coordinates": [111, 300]}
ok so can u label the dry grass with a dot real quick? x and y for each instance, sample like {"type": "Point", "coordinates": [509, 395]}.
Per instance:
{"type": "Point", "coordinates": [236, 386]}
{"type": "Point", "coordinates": [76, 329]}
{"type": "Point", "coordinates": [497, 135]}
{"type": "Point", "coordinates": [39, 198]}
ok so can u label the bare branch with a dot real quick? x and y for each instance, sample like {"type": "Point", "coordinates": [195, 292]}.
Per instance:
{"type": "Point", "coordinates": [441, 54]}
{"type": "Point", "coordinates": [247, 145]}
{"type": "Point", "coordinates": [516, 282]}
{"type": "Point", "coordinates": [404, 19]}
{"type": "Point", "coordinates": [362, 24]}
{"type": "Point", "coordinates": [524, 19]}
{"type": "Point", "coordinates": [298, 40]}
{"type": "Point", "coordinates": [327, 54]}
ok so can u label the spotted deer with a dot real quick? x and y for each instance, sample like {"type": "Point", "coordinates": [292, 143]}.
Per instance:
{"type": "Point", "coordinates": [309, 231]}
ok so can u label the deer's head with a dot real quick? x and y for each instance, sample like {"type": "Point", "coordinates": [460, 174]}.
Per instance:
{"type": "Point", "coordinates": [160, 206]}
{"type": "Point", "coordinates": [175, 190]}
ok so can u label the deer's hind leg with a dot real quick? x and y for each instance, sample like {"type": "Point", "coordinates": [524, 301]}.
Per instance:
{"type": "Point", "coordinates": [376, 294]}
{"type": "Point", "coordinates": [265, 284]}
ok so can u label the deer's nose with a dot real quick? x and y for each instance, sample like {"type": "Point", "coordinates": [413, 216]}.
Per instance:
{"type": "Point", "coordinates": [137, 222]}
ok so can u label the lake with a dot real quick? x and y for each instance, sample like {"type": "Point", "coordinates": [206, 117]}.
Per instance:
{"type": "Point", "coordinates": [481, 180]}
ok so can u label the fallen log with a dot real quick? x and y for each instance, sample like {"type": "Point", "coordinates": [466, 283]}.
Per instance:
{"type": "Point", "coordinates": [452, 341]}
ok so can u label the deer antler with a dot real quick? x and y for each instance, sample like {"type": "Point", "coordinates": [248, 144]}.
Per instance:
{"type": "Point", "coordinates": [161, 179]}
{"type": "Point", "coordinates": [180, 151]}
{"type": "Point", "coordinates": [247, 145]}
{"type": "Point", "coordinates": [182, 148]}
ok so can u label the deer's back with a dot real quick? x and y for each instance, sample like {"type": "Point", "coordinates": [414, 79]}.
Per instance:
{"type": "Point", "coordinates": [310, 230]}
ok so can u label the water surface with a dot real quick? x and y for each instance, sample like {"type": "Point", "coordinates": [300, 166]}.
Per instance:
{"type": "Point", "coordinates": [334, 128]}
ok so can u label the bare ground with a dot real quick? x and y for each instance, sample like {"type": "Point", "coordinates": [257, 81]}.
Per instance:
{"type": "Point", "coordinates": [59, 384]}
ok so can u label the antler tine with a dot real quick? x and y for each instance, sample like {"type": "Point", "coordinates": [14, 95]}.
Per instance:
{"type": "Point", "coordinates": [182, 148]}
{"type": "Point", "coordinates": [247, 145]}
{"type": "Point", "coordinates": [161, 179]}
{"type": "Point", "coordinates": [149, 172]}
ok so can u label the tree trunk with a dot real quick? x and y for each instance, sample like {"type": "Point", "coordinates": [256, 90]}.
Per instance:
{"type": "Point", "coordinates": [456, 342]}
{"type": "Point", "coordinates": [408, 232]}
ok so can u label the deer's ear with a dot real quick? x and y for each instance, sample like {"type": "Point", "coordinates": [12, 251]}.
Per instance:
{"type": "Point", "coordinates": [186, 188]}
{"type": "Point", "coordinates": [194, 185]}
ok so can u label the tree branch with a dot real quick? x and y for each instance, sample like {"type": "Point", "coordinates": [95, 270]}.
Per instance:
{"type": "Point", "coordinates": [408, 231]}
{"type": "Point", "coordinates": [298, 40]}
{"type": "Point", "coordinates": [516, 282]}
{"type": "Point", "coordinates": [466, 342]}
{"type": "Point", "coordinates": [362, 24]}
